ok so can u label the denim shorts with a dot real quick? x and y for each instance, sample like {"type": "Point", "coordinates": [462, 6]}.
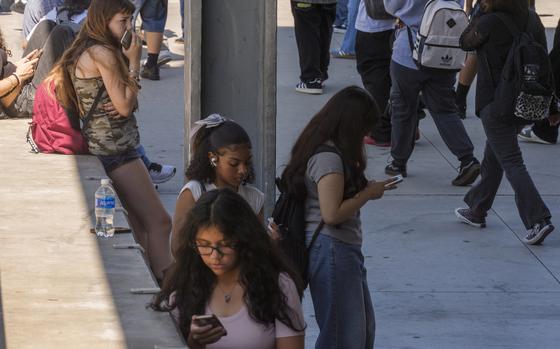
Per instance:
{"type": "Point", "coordinates": [112, 162]}
{"type": "Point", "coordinates": [153, 13]}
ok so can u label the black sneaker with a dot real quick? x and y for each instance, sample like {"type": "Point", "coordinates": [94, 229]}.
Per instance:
{"type": "Point", "coordinates": [393, 170]}
{"type": "Point", "coordinates": [314, 87]}
{"type": "Point", "coordinates": [539, 232]}
{"type": "Point", "coordinates": [467, 173]}
{"type": "Point", "coordinates": [151, 73]}
{"type": "Point", "coordinates": [467, 216]}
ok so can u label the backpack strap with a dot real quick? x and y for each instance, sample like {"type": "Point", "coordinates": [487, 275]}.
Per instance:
{"type": "Point", "coordinates": [315, 234]}
{"type": "Point", "coordinates": [89, 115]}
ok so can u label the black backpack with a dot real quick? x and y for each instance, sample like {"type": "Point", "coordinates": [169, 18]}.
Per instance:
{"type": "Point", "coordinates": [289, 215]}
{"type": "Point", "coordinates": [525, 89]}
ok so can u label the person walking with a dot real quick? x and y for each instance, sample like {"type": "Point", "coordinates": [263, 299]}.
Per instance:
{"type": "Point", "coordinates": [373, 59]}
{"type": "Point", "coordinates": [437, 88]}
{"type": "Point", "coordinates": [491, 38]}
{"type": "Point", "coordinates": [313, 20]}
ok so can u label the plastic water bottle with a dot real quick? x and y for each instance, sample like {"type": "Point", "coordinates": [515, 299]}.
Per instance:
{"type": "Point", "coordinates": [104, 210]}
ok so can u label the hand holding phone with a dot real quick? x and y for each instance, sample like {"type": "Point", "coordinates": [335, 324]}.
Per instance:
{"type": "Point", "coordinates": [205, 329]}
{"type": "Point", "coordinates": [391, 182]}
{"type": "Point", "coordinates": [126, 39]}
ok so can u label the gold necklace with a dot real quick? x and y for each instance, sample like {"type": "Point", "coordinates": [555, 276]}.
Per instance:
{"type": "Point", "coordinates": [227, 295]}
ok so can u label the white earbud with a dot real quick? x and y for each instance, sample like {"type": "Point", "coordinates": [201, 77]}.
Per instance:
{"type": "Point", "coordinates": [214, 161]}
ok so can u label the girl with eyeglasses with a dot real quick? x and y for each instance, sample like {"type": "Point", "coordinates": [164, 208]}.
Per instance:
{"type": "Point", "coordinates": [221, 158]}
{"type": "Point", "coordinates": [227, 266]}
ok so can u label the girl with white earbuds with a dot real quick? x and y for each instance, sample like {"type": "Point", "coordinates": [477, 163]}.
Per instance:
{"type": "Point", "coordinates": [221, 158]}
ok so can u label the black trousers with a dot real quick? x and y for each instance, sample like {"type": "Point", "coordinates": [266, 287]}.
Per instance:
{"type": "Point", "coordinates": [503, 155]}
{"type": "Point", "coordinates": [313, 28]}
{"type": "Point", "coordinates": [373, 60]}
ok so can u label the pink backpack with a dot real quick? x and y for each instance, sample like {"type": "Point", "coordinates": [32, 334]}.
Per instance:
{"type": "Point", "coordinates": [50, 130]}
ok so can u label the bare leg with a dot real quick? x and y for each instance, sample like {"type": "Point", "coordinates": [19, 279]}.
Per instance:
{"type": "Point", "coordinates": [137, 193]}
{"type": "Point", "coordinates": [154, 41]}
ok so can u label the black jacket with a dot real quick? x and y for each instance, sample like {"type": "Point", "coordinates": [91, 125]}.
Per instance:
{"type": "Point", "coordinates": [491, 39]}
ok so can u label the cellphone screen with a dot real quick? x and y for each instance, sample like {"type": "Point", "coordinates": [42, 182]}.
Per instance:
{"type": "Point", "coordinates": [126, 39]}
{"type": "Point", "coordinates": [204, 320]}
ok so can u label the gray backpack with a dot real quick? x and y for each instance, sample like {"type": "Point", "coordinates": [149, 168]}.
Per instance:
{"type": "Point", "coordinates": [437, 42]}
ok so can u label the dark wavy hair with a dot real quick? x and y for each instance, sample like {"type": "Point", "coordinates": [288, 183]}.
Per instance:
{"type": "Point", "coordinates": [260, 261]}
{"type": "Point", "coordinates": [229, 135]}
{"type": "Point", "coordinates": [3, 46]}
{"type": "Point", "coordinates": [346, 118]}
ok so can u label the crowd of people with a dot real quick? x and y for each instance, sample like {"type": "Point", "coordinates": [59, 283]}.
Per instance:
{"type": "Point", "coordinates": [222, 273]}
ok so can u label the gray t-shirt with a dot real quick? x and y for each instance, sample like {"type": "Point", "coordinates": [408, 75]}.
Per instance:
{"type": "Point", "coordinates": [318, 166]}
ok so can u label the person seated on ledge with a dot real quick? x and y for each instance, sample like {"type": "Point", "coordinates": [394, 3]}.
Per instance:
{"type": "Point", "coordinates": [19, 80]}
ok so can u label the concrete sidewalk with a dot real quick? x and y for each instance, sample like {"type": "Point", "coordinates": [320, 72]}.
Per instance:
{"type": "Point", "coordinates": [435, 283]}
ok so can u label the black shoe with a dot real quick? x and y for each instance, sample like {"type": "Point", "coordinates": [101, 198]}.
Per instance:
{"type": "Point", "coordinates": [467, 173]}
{"type": "Point", "coordinates": [151, 73]}
{"type": "Point", "coordinates": [539, 232]}
{"type": "Point", "coordinates": [467, 216]}
{"type": "Point", "coordinates": [393, 170]}
{"type": "Point", "coordinates": [313, 87]}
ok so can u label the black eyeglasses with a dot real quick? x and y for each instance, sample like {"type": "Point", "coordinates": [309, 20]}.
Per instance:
{"type": "Point", "coordinates": [205, 250]}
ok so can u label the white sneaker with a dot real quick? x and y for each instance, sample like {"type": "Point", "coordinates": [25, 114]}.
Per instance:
{"type": "Point", "coordinates": [527, 135]}
{"type": "Point", "coordinates": [161, 173]}
{"type": "Point", "coordinates": [163, 58]}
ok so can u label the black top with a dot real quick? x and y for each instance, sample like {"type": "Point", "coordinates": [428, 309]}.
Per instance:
{"type": "Point", "coordinates": [491, 39]}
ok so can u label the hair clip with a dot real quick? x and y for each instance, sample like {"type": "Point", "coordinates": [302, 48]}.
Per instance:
{"type": "Point", "coordinates": [213, 120]}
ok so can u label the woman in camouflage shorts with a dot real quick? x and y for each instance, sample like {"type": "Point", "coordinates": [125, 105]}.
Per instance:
{"type": "Point", "coordinates": [96, 61]}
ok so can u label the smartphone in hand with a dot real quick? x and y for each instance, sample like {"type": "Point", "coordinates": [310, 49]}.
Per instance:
{"type": "Point", "coordinates": [126, 39]}
{"type": "Point", "coordinates": [394, 180]}
{"type": "Point", "coordinates": [203, 320]}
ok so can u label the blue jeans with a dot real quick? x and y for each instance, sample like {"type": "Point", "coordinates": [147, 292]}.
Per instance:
{"type": "Point", "coordinates": [349, 42]}
{"type": "Point", "coordinates": [341, 12]}
{"type": "Point", "coordinates": [341, 298]}
{"type": "Point", "coordinates": [142, 153]}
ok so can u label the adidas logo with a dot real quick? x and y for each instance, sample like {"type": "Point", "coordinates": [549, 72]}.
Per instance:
{"type": "Point", "coordinates": [446, 60]}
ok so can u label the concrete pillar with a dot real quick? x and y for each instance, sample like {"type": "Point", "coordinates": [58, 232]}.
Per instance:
{"type": "Point", "coordinates": [230, 68]}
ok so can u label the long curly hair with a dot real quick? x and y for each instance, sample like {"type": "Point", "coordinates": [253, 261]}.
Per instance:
{"type": "Point", "coordinates": [191, 282]}
{"type": "Point", "coordinates": [95, 31]}
{"type": "Point", "coordinates": [346, 118]}
{"type": "Point", "coordinates": [229, 135]}
{"type": "Point", "coordinates": [3, 46]}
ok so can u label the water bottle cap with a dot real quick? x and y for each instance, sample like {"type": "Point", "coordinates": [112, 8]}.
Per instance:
{"type": "Point", "coordinates": [105, 181]}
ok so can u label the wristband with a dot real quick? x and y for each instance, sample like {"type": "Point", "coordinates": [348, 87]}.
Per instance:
{"type": "Point", "coordinates": [17, 78]}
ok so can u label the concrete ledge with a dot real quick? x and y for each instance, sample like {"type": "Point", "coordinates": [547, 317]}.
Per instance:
{"type": "Point", "coordinates": [61, 285]}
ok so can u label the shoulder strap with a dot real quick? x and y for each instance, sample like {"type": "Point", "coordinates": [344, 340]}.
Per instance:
{"type": "Point", "coordinates": [89, 115]}
{"type": "Point", "coordinates": [315, 234]}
